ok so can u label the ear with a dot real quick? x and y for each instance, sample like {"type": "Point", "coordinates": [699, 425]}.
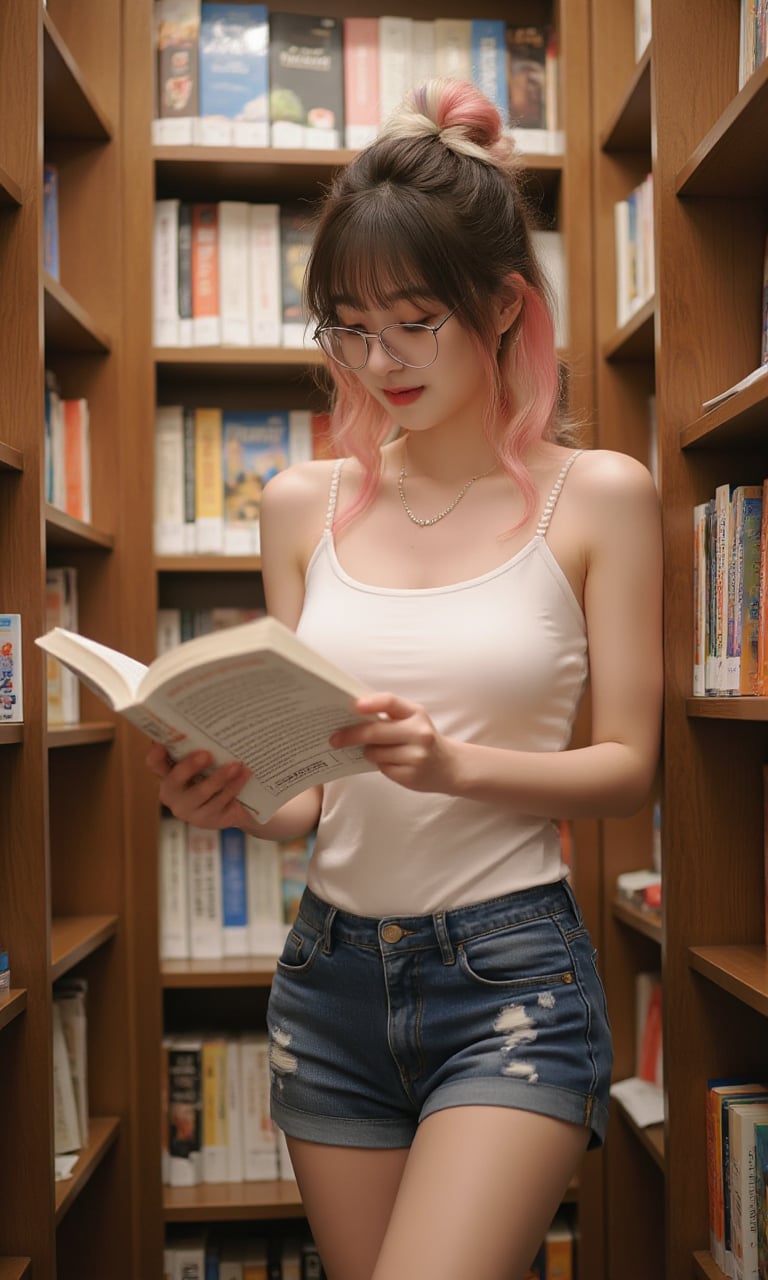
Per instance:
{"type": "Point", "coordinates": [509, 303]}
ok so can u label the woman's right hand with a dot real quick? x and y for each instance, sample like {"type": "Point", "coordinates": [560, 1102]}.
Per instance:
{"type": "Point", "coordinates": [208, 801]}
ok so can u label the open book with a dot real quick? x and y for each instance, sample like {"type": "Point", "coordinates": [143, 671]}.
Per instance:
{"type": "Point", "coordinates": [254, 693]}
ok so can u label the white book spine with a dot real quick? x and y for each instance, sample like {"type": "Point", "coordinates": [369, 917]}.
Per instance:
{"type": "Point", "coordinates": [264, 275]}
{"type": "Point", "coordinates": [453, 48]}
{"type": "Point", "coordinates": [422, 49]}
{"type": "Point", "coordinates": [235, 1169]}
{"type": "Point", "coordinates": [700, 597]}
{"type": "Point", "coordinates": [169, 481]}
{"type": "Point", "coordinates": [394, 62]}
{"type": "Point", "coordinates": [58, 452]}
{"type": "Point", "coordinates": [204, 878]}
{"type": "Point", "coordinates": [168, 630]}
{"type": "Point", "coordinates": [259, 1140]}
{"type": "Point", "coordinates": [165, 274]}
{"type": "Point", "coordinates": [234, 218]}
{"type": "Point", "coordinates": [174, 893]}
{"type": "Point", "coordinates": [173, 131]}
{"type": "Point", "coordinates": [266, 928]}
{"type": "Point", "coordinates": [66, 1135]}
{"type": "Point", "coordinates": [621, 231]}
{"type": "Point", "coordinates": [299, 436]}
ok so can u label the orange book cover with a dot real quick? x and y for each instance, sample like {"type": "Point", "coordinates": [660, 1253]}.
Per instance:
{"type": "Point", "coordinates": [205, 274]}
{"type": "Point", "coordinates": [77, 463]}
{"type": "Point", "coordinates": [651, 1043]}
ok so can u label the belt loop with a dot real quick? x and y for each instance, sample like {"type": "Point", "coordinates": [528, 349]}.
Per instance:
{"type": "Point", "coordinates": [329, 919]}
{"type": "Point", "coordinates": [443, 937]}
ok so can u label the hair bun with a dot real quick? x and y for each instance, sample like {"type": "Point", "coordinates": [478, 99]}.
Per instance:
{"type": "Point", "coordinates": [456, 112]}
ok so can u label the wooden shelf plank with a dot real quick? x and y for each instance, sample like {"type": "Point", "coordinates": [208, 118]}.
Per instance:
{"type": "Point", "coordinates": [71, 110]}
{"type": "Point", "coordinates": [705, 1267]}
{"type": "Point", "coordinates": [103, 1133]}
{"type": "Point", "coordinates": [68, 326]}
{"type": "Point", "coordinates": [649, 1136]}
{"type": "Point", "coordinates": [742, 971]}
{"type": "Point", "coordinates": [64, 530]}
{"type": "Point", "coordinates": [630, 127]}
{"type": "Point", "coordinates": [741, 708]}
{"type": "Point", "coordinates": [12, 1003]}
{"type": "Point", "coordinates": [232, 1201]}
{"type": "Point", "coordinates": [249, 971]}
{"type": "Point", "coordinates": [10, 459]}
{"type": "Point", "coordinates": [740, 421]}
{"type": "Point", "coordinates": [75, 937]}
{"type": "Point", "coordinates": [14, 1268]}
{"type": "Point", "coordinates": [730, 160]}
{"type": "Point", "coordinates": [80, 735]}
{"type": "Point", "coordinates": [208, 564]}
{"type": "Point", "coordinates": [635, 340]}
{"type": "Point", "coordinates": [10, 191]}
{"type": "Point", "coordinates": [645, 922]}
{"type": "Point", "coordinates": [192, 172]}
{"type": "Point", "coordinates": [11, 734]}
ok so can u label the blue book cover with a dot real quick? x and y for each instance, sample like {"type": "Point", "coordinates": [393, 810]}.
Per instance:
{"type": "Point", "coordinates": [51, 220]}
{"type": "Point", "coordinates": [256, 445]}
{"type": "Point", "coordinates": [234, 894]}
{"type": "Point", "coordinates": [234, 75]}
{"type": "Point", "coordinates": [489, 62]}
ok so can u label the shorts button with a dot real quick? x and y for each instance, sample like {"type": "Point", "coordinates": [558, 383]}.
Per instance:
{"type": "Point", "coordinates": [567, 977]}
{"type": "Point", "coordinates": [392, 933]}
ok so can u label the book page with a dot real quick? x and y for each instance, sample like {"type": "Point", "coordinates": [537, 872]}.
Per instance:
{"type": "Point", "coordinates": [273, 717]}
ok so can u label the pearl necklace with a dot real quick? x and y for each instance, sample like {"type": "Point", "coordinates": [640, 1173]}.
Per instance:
{"type": "Point", "coordinates": [425, 521]}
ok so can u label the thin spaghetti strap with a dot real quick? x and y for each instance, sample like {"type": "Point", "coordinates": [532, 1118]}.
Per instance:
{"type": "Point", "coordinates": [333, 494]}
{"type": "Point", "coordinates": [549, 505]}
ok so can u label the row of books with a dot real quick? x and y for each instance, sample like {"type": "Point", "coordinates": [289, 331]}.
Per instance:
{"type": "Point", "coordinates": [174, 626]}
{"type": "Point", "coordinates": [204, 1256]}
{"type": "Point", "coordinates": [730, 570]}
{"type": "Point", "coordinates": [231, 274]}
{"type": "Point", "coordinates": [216, 1126]}
{"type": "Point", "coordinates": [241, 75]}
{"type": "Point", "coordinates": [211, 467]}
{"type": "Point", "coordinates": [67, 452]}
{"type": "Point", "coordinates": [61, 610]}
{"type": "Point", "coordinates": [223, 893]}
{"type": "Point", "coordinates": [70, 1066]}
{"type": "Point", "coordinates": [737, 1176]}
{"type": "Point", "coordinates": [11, 678]}
{"type": "Point", "coordinates": [753, 32]}
{"type": "Point", "coordinates": [633, 225]}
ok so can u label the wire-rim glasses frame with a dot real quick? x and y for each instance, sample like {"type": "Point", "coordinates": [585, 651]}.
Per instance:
{"type": "Point", "coordinates": [326, 335]}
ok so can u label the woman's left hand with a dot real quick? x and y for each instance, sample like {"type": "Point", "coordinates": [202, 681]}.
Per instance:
{"type": "Point", "coordinates": [403, 743]}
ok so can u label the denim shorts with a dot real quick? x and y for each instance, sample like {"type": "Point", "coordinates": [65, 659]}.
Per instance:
{"type": "Point", "coordinates": [376, 1023]}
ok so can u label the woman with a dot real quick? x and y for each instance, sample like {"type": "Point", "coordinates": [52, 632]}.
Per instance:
{"type": "Point", "coordinates": [440, 1047]}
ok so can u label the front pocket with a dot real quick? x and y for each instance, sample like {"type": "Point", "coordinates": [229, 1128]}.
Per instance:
{"type": "Point", "coordinates": [300, 948]}
{"type": "Point", "coordinates": [525, 956]}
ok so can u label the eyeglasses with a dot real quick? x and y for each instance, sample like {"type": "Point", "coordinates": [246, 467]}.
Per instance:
{"type": "Point", "coordinates": [414, 345]}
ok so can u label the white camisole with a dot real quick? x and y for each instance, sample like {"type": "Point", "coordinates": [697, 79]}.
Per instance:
{"type": "Point", "coordinates": [499, 660]}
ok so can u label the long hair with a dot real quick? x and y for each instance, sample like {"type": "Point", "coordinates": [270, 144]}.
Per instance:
{"type": "Point", "coordinates": [436, 199]}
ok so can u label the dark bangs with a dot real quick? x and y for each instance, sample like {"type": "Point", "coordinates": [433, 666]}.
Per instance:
{"type": "Point", "coordinates": [382, 243]}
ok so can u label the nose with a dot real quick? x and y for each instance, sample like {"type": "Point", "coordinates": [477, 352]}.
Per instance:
{"type": "Point", "coordinates": [379, 359]}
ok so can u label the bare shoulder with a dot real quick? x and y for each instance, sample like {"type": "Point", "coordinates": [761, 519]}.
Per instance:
{"type": "Point", "coordinates": [608, 475]}
{"type": "Point", "coordinates": [292, 489]}
{"type": "Point", "coordinates": [616, 501]}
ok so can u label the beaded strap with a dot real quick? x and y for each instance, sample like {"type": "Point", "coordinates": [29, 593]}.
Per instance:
{"type": "Point", "coordinates": [551, 502]}
{"type": "Point", "coordinates": [333, 494]}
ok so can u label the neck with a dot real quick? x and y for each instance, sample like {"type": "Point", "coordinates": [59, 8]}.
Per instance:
{"type": "Point", "coordinates": [444, 460]}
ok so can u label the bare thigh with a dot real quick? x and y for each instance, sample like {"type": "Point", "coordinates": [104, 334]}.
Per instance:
{"type": "Point", "coordinates": [348, 1194]}
{"type": "Point", "coordinates": [479, 1189]}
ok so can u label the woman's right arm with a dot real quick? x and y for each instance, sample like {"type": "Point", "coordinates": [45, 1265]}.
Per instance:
{"type": "Point", "coordinates": [290, 517]}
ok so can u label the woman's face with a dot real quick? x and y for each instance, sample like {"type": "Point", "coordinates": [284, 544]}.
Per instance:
{"type": "Point", "coordinates": [452, 389]}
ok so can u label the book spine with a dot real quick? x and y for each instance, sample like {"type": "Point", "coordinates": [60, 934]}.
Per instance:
{"type": "Point", "coordinates": [453, 48]}
{"type": "Point", "coordinates": [259, 1140]}
{"type": "Point", "coordinates": [215, 1147]}
{"type": "Point", "coordinates": [51, 220]}
{"type": "Point", "coordinates": [184, 274]}
{"type": "Point", "coordinates": [204, 879]}
{"type": "Point", "coordinates": [264, 275]}
{"type": "Point", "coordinates": [209, 481]}
{"type": "Point", "coordinates": [234, 892]}
{"type": "Point", "coordinates": [394, 62]}
{"type": "Point", "coordinates": [422, 49]}
{"type": "Point", "coordinates": [295, 245]}
{"type": "Point", "coordinates": [177, 30]}
{"type": "Point", "coordinates": [206, 323]}
{"type": "Point", "coordinates": [235, 1170]}
{"type": "Point", "coordinates": [489, 62]}
{"type": "Point", "coordinates": [185, 1103]}
{"type": "Point", "coordinates": [165, 274]}
{"type": "Point", "coordinates": [234, 220]}
{"type": "Point", "coordinates": [189, 528]}
{"type": "Point", "coordinates": [174, 892]}
{"type": "Point", "coordinates": [11, 681]}
{"type": "Point", "coordinates": [168, 529]}
{"type": "Point", "coordinates": [266, 928]}
{"type": "Point", "coordinates": [361, 81]}
{"type": "Point", "coordinates": [299, 436]}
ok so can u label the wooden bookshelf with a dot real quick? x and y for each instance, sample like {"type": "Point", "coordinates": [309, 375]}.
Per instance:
{"type": "Point", "coordinates": [629, 128]}
{"type": "Point", "coordinates": [705, 1267]}
{"type": "Point", "coordinates": [232, 1202]}
{"type": "Point", "coordinates": [12, 1004]}
{"type": "Point", "coordinates": [737, 423]}
{"type": "Point", "coordinates": [72, 109]}
{"type": "Point", "coordinates": [742, 971]}
{"type": "Point", "coordinates": [650, 1137]}
{"type": "Point", "coordinates": [649, 923]}
{"type": "Point", "coordinates": [728, 161]}
{"type": "Point", "coordinates": [10, 459]}
{"type": "Point", "coordinates": [253, 971]}
{"type": "Point", "coordinates": [64, 530]}
{"type": "Point", "coordinates": [14, 1268]}
{"type": "Point", "coordinates": [634, 341]}
{"type": "Point", "coordinates": [742, 708]}
{"type": "Point", "coordinates": [80, 735]}
{"type": "Point", "coordinates": [10, 734]}
{"type": "Point", "coordinates": [102, 1135]}
{"type": "Point", "coordinates": [75, 937]}
{"type": "Point", "coordinates": [208, 564]}
{"type": "Point", "coordinates": [10, 191]}
{"type": "Point", "coordinates": [68, 326]}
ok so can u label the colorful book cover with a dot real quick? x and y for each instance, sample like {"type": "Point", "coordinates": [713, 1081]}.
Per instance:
{"type": "Point", "coordinates": [526, 76]}
{"type": "Point", "coordinates": [234, 892]}
{"type": "Point", "coordinates": [306, 71]}
{"type": "Point", "coordinates": [295, 246]}
{"type": "Point", "coordinates": [255, 446]}
{"type": "Point", "coordinates": [177, 31]}
{"type": "Point", "coordinates": [234, 75]}
{"type": "Point", "coordinates": [761, 1196]}
{"type": "Point", "coordinates": [489, 62]}
{"type": "Point", "coordinates": [11, 699]}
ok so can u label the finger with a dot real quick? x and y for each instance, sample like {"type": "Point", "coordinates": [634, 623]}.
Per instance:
{"type": "Point", "coordinates": [187, 769]}
{"type": "Point", "coordinates": [387, 704]}
{"type": "Point", "coordinates": [158, 760]}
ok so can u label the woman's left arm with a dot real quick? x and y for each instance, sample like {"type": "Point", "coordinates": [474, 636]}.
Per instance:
{"type": "Point", "coordinates": [619, 519]}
